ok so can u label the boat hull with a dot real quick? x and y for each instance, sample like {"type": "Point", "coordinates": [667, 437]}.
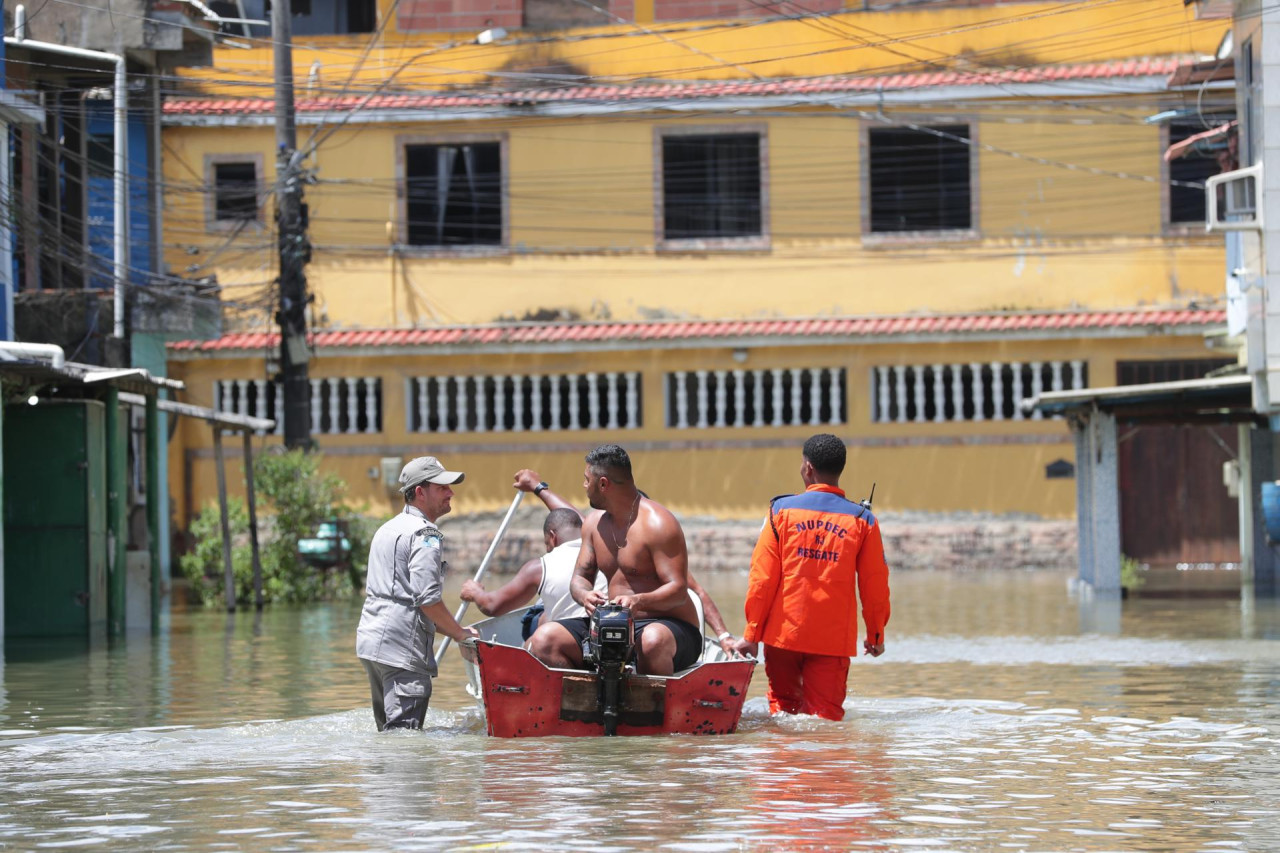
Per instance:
{"type": "Point", "coordinates": [522, 697]}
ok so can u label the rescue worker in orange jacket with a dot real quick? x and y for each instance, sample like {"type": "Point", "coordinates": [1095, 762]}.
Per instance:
{"type": "Point", "coordinates": [813, 550]}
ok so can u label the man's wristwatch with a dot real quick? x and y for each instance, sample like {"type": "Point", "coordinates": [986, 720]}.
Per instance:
{"type": "Point", "coordinates": [538, 488]}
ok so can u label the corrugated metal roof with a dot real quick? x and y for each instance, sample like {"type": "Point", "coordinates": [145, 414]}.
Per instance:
{"type": "Point", "coordinates": [926, 325]}
{"type": "Point", "coordinates": [693, 91]}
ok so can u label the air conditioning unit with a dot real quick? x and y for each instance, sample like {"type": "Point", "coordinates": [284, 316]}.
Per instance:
{"type": "Point", "coordinates": [1231, 200]}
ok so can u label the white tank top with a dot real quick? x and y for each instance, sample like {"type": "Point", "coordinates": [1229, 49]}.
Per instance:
{"type": "Point", "coordinates": [557, 572]}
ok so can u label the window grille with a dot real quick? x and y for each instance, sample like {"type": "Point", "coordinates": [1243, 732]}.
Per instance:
{"type": "Point", "coordinates": [977, 391]}
{"type": "Point", "coordinates": [338, 405]}
{"type": "Point", "coordinates": [554, 402]}
{"type": "Point", "coordinates": [756, 398]}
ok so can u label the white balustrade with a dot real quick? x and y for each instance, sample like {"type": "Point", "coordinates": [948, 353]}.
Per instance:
{"type": "Point", "coordinates": [1018, 414]}
{"type": "Point", "coordinates": [836, 392]}
{"type": "Point", "coordinates": [939, 395]}
{"type": "Point", "coordinates": [997, 391]}
{"type": "Point", "coordinates": [633, 400]}
{"type": "Point", "coordinates": [957, 392]}
{"type": "Point", "coordinates": [482, 404]}
{"type": "Point", "coordinates": [334, 418]}
{"type": "Point", "coordinates": [757, 417]}
{"type": "Point", "coordinates": [900, 391]}
{"type": "Point", "coordinates": [517, 404]}
{"type": "Point", "coordinates": [315, 406]}
{"type": "Point", "coordinates": [1077, 374]}
{"type": "Point", "coordinates": [460, 402]}
{"type": "Point", "coordinates": [535, 403]}
{"type": "Point", "coordinates": [352, 409]}
{"type": "Point", "coordinates": [499, 403]}
{"type": "Point", "coordinates": [1037, 386]}
{"type": "Point", "coordinates": [795, 396]}
{"type": "Point", "coordinates": [918, 388]}
{"type": "Point", "coordinates": [777, 397]}
{"type": "Point", "coordinates": [701, 403]}
{"type": "Point", "coordinates": [739, 397]}
{"type": "Point", "coordinates": [593, 400]}
{"type": "Point", "coordinates": [279, 410]}
{"type": "Point", "coordinates": [682, 401]}
{"type": "Point", "coordinates": [815, 396]}
{"type": "Point", "coordinates": [1056, 367]}
{"type": "Point", "coordinates": [882, 393]}
{"type": "Point", "coordinates": [442, 404]}
{"type": "Point", "coordinates": [612, 403]}
{"type": "Point", "coordinates": [553, 402]}
{"type": "Point", "coordinates": [978, 402]}
{"type": "Point", "coordinates": [722, 397]}
{"type": "Point", "coordinates": [575, 410]}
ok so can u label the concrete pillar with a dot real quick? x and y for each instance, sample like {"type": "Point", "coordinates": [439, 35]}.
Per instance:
{"type": "Point", "coordinates": [1098, 503]}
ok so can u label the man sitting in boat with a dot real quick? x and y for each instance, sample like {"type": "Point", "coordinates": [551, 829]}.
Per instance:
{"type": "Point", "coordinates": [639, 547]}
{"type": "Point", "coordinates": [548, 576]}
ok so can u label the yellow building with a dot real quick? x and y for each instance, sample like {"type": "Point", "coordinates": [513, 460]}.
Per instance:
{"type": "Point", "coordinates": [890, 225]}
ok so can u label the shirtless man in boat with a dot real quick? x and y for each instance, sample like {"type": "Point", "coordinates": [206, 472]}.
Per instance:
{"type": "Point", "coordinates": [640, 547]}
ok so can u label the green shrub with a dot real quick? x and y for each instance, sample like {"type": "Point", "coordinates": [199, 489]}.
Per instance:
{"type": "Point", "coordinates": [293, 497]}
{"type": "Point", "coordinates": [1131, 576]}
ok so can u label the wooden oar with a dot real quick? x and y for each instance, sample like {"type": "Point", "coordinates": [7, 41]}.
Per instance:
{"type": "Point", "coordinates": [484, 567]}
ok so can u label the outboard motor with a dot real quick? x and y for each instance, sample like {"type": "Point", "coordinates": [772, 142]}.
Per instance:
{"type": "Point", "coordinates": [608, 648]}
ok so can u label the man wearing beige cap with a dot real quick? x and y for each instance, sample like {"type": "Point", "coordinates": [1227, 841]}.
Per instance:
{"type": "Point", "coordinates": [404, 606]}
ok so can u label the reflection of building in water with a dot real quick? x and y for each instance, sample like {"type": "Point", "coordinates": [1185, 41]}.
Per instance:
{"type": "Point", "coordinates": [512, 263]}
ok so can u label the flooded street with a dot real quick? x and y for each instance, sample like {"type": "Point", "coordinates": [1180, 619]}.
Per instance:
{"type": "Point", "coordinates": [1005, 715]}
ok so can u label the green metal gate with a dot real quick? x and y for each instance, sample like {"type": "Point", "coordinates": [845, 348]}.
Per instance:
{"type": "Point", "coordinates": [55, 519]}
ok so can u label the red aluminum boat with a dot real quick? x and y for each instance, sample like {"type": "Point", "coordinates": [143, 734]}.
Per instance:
{"type": "Point", "coordinates": [520, 696]}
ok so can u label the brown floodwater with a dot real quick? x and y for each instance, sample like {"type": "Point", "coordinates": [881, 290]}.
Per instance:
{"type": "Point", "coordinates": [1006, 714]}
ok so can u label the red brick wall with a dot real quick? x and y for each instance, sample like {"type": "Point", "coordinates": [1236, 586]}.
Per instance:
{"type": "Point", "coordinates": [467, 15]}
{"type": "Point", "coordinates": [686, 10]}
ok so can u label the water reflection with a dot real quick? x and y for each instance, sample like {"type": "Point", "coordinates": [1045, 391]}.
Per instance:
{"type": "Point", "coordinates": [1000, 717]}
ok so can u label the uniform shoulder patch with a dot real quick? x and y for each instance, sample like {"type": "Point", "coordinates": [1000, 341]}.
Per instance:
{"type": "Point", "coordinates": [430, 538]}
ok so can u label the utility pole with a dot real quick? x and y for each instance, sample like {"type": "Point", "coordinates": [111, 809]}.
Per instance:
{"type": "Point", "coordinates": [294, 247]}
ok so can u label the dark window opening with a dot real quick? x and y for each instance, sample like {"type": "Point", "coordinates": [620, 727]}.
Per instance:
{"type": "Point", "coordinates": [454, 194]}
{"type": "Point", "coordinates": [235, 192]}
{"type": "Point", "coordinates": [1186, 204]}
{"type": "Point", "coordinates": [920, 181]}
{"type": "Point", "coordinates": [362, 16]}
{"type": "Point", "coordinates": [711, 186]}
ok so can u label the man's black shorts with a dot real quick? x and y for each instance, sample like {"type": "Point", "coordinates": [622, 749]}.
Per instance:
{"type": "Point", "coordinates": [688, 638]}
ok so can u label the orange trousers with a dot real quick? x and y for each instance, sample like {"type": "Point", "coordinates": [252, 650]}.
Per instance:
{"type": "Point", "coordinates": [801, 683]}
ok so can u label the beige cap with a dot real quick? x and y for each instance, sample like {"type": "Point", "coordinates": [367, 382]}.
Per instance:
{"type": "Point", "coordinates": [427, 469]}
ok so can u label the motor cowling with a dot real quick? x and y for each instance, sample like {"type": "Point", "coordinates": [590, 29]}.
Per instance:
{"type": "Point", "coordinates": [608, 649]}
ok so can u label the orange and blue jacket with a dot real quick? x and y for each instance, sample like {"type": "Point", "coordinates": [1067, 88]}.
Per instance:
{"type": "Point", "coordinates": [814, 550]}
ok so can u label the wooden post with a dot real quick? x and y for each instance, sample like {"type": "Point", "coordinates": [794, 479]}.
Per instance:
{"type": "Point", "coordinates": [230, 579]}
{"type": "Point", "coordinates": [253, 519]}
{"type": "Point", "coordinates": [153, 506]}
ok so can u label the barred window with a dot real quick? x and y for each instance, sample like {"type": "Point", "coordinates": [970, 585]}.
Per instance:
{"type": "Point", "coordinates": [755, 398]}
{"type": "Point", "coordinates": [608, 400]}
{"type": "Point", "coordinates": [977, 391]}
{"type": "Point", "coordinates": [338, 405]}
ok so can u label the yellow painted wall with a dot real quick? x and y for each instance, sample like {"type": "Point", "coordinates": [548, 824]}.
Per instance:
{"type": "Point", "coordinates": [990, 466]}
{"type": "Point", "coordinates": [582, 228]}
{"type": "Point", "coordinates": [1013, 34]}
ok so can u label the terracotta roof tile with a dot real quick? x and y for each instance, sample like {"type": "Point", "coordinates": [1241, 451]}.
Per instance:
{"type": "Point", "coordinates": [692, 90]}
{"type": "Point", "coordinates": [870, 326]}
